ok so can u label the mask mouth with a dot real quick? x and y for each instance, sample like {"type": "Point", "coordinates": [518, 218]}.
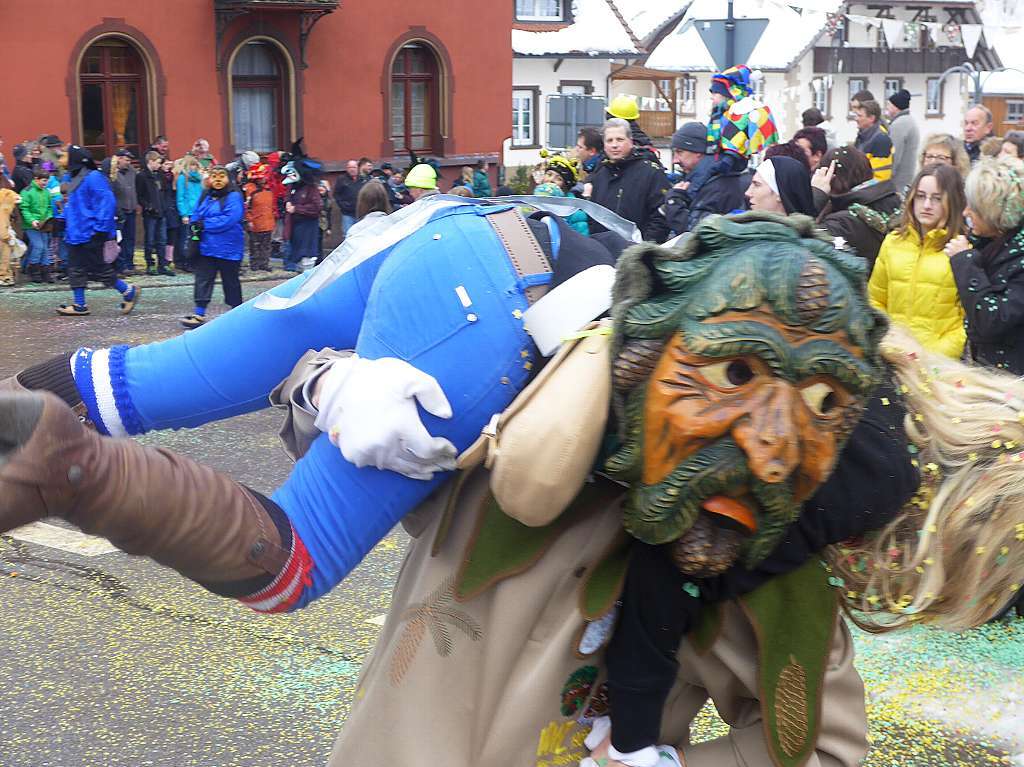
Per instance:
{"type": "Point", "coordinates": [715, 541]}
{"type": "Point", "coordinates": [725, 509]}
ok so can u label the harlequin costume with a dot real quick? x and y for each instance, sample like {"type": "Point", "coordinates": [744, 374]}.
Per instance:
{"type": "Point", "coordinates": [740, 125]}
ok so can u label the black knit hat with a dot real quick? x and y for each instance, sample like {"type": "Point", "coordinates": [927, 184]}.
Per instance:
{"type": "Point", "coordinates": [692, 137]}
{"type": "Point", "coordinates": [900, 99]}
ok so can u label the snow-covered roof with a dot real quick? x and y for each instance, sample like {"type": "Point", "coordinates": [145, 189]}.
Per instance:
{"type": "Point", "coordinates": [1004, 31]}
{"type": "Point", "coordinates": [1008, 83]}
{"type": "Point", "coordinates": [647, 16]}
{"type": "Point", "coordinates": [787, 37]}
{"type": "Point", "coordinates": [595, 31]}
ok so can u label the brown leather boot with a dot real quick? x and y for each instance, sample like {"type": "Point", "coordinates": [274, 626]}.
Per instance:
{"type": "Point", "coordinates": [145, 500]}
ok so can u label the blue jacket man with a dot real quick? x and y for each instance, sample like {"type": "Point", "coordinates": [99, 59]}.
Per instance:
{"type": "Point", "coordinates": [723, 193]}
{"type": "Point", "coordinates": [90, 230]}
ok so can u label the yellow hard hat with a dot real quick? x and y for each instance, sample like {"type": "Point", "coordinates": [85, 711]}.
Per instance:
{"type": "Point", "coordinates": [624, 106]}
{"type": "Point", "coordinates": [422, 176]}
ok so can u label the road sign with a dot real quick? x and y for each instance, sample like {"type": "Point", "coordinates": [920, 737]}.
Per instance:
{"type": "Point", "coordinates": [746, 35]}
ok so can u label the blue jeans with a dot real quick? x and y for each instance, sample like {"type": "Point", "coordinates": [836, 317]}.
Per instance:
{"type": "Point", "coordinates": [126, 260]}
{"type": "Point", "coordinates": [401, 303]}
{"type": "Point", "coordinates": [38, 248]}
{"type": "Point", "coordinates": [156, 240]}
{"type": "Point", "coordinates": [347, 222]}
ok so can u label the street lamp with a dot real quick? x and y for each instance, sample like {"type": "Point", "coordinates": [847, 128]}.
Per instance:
{"type": "Point", "coordinates": [969, 70]}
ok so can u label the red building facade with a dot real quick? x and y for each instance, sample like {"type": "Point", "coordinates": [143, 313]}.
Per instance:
{"type": "Point", "coordinates": [355, 77]}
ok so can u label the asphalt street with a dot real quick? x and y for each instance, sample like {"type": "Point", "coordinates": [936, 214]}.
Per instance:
{"type": "Point", "coordinates": [108, 660]}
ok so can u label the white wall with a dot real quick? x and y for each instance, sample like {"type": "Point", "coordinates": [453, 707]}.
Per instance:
{"type": "Point", "coordinates": [540, 72]}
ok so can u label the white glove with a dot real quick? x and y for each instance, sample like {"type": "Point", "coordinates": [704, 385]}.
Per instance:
{"type": "Point", "coordinates": [651, 756]}
{"type": "Point", "coordinates": [368, 409]}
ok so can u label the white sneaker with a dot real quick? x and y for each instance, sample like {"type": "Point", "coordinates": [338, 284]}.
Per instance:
{"type": "Point", "coordinates": [307, 263]}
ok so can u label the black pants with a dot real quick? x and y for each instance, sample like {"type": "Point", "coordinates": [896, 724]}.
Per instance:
{"type": "Point", "coordinates": [85, 262]}
{"type": "Point", "coordinates": [206, 270]}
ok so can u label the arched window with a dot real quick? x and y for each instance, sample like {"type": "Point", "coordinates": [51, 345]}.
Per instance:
{"type": "Point", "coordinates": [113, 97]}
{"type": "Point", "coordinates": [258, 91]}
{"type": "Point", "coordinates": [415, 100]}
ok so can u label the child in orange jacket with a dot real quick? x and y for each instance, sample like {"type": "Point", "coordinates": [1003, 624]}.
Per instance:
{"type": "Point", "coordinates": [260, 218]}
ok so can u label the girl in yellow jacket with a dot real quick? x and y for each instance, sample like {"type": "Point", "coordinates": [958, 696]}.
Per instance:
{"type": "Point", "coordinates": [912, 281]}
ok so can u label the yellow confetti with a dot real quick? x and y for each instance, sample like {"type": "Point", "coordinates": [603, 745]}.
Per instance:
{"type": "Point", "coordinates": [972, 456]}
{"type": "Point", "coordinates": [885, 400]}
{"type": "Point", "coordinates": [996, 444]}
{"type": "Point", "coordinates": [979, 550]}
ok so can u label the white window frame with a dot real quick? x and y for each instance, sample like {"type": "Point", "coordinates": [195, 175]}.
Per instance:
{"type": "Point", "coordinates": [886, 91]}
{"type": "Point", "coordinates": [559, 15]}
{"type": "Point", "coordinates": [530, 124]}
{"type": "Point", "coordinates": [1014, 119]}
{"type": "Point", "coordinates": [821, 99]}
{"type": "Point", "coordinates": [759, 87]}
{"type": "Point", "coordinates": [688, 95]}
{"type": "Point", "coordinates": [850, 90]}
{"type": "Point", "coordinates": [930, 109]}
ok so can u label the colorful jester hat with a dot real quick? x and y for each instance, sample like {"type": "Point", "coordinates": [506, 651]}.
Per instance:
{"type": "Point", "coordinates": [741, 124]}
{"type": "Point", "coordinates": [734, 83]}
{"type": "Point", "coordinates": [743, 359]}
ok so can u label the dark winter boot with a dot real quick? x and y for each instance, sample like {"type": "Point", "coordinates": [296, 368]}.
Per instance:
{"type": "Point", "coordinates": [145, 500]}
{"type": "Point", "coordinates": [33, 273]}
{"type": "Point", "coordinates": [45, 275]}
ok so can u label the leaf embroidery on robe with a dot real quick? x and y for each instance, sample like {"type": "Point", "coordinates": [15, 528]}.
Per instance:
{"type": "Point", "coordinates": [437, 615]}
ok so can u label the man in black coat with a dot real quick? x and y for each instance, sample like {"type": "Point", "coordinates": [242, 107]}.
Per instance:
{"type": "Point", "coordinates": [630, 184]}
{"type": "Point", "coordinates": [346, 190]}
{"type": "Point", "coordinates": [723, 193]}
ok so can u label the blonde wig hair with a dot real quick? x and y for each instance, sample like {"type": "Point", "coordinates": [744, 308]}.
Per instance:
{"type": "Point", "coordinates": [953, 146]}
{"type": "Point", "coordinates": [994, 191]}
{"type": "Point", "coordinates": [954, 557]}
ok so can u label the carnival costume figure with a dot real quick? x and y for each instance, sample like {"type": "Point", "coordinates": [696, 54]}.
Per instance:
{"type": "Point", "coordinates": [744, 360]}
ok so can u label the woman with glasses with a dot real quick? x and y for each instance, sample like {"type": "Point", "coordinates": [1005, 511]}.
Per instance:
{"type": "Point", "coordinates": [912, 281]}
{"type": "Point", "coordinates": [944, 149]}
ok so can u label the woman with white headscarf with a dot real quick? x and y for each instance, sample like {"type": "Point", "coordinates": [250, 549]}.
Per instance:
{"type": "Point", "coordinates": [781, 185]}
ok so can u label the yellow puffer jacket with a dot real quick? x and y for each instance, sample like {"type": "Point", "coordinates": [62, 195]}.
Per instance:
{"type": "Point", "coordinates": [913, 283]}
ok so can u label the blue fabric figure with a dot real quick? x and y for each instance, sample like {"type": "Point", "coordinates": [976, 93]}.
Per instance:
{"type": "Point", "coordinates": [436, 299]}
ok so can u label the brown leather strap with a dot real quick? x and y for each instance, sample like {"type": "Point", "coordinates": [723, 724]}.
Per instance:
{"type": "Point", "coordinates": [524, 251]}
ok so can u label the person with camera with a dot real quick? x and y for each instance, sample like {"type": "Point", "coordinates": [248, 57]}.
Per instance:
{"type": "Point", "coordinates": [216, 244]}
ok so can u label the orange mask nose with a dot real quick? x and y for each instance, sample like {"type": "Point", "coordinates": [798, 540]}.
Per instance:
{"type": "Point", "coordinates": [769, 434]}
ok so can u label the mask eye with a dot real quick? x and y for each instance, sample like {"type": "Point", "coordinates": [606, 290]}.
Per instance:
{"type": "Point", "coordinates": [730, 374]}
{"type": "Point", "coordinates": [821, 398]}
